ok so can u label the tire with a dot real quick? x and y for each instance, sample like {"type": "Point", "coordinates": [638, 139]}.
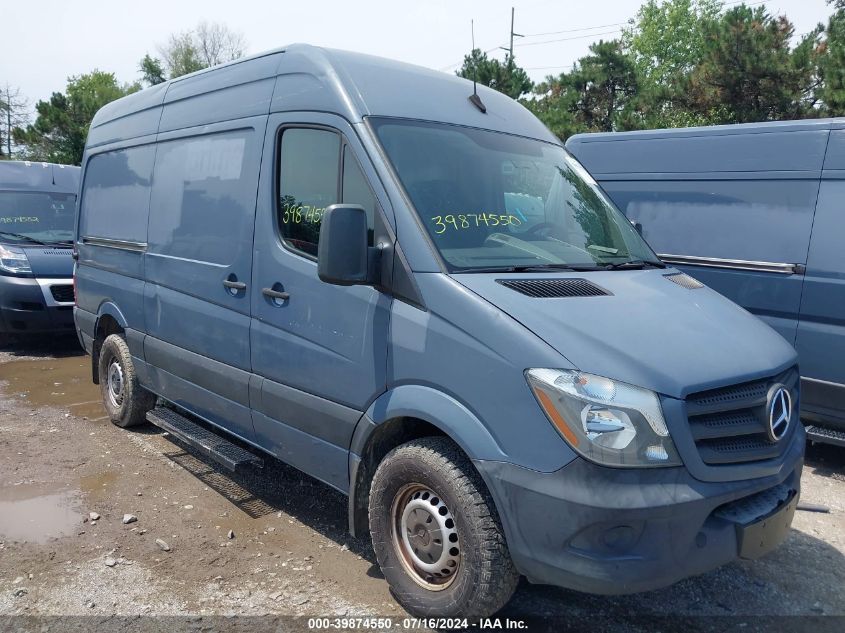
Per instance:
{"type": "Point", "coordinates": [125, 401]}
{"type": "Point", "coordinates": [435, 472]}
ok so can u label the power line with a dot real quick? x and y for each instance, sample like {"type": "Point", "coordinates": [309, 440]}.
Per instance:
{"type": "Point", "coordinates": [586, 28]}
{"type": "Point", "coordinates": [567, 39]}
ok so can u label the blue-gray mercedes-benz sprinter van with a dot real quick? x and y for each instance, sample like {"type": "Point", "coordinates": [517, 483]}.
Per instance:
{"type": "Point", "coordinates": [37, 212]}
{"type": "Point", "coordinates": [414, 294]}
{"type": "Point", "coordinates": [755, 212]}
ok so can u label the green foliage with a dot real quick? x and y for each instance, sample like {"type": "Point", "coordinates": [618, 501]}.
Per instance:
{"type": "Point", "coordinates": [506, 77]}
{"type": "Point", "coordinates": [666, 42]}
{"type": "Point", "coordinates": [599, 94]}
{"type": "Point", "coordinates": [667, 39]}
{"type": "Point", "coordinates": [831, 64]}
{"type": "Point", "coordinates": [748, 71]}
{"type": "Point", "coordinates": [152, 72]}
{"type": "Point", "coordinates": [61, 127]}
{"type": "Point", "coordinates": [688, 62]}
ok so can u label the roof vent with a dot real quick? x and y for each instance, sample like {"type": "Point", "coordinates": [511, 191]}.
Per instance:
{"type": "Point", "coordinates": [685, 281]}
{"type": "Point", "coordinates": [554, 288]}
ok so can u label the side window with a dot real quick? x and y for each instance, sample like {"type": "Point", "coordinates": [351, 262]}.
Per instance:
{"type": "Point", "coordinates": [310, 180]}
{"type": "Point", "coordinates": [116, 194]}
{"type": "Point", "coordinates": [356, 190]}
{"type": "Point", "coordinates": [203, 198]}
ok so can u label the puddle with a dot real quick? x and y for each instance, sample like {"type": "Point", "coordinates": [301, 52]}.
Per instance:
{"type": "Point", "coordinates": [64, 383]}
{"type": "Point", "coordinates": [98, 485]}
{"type": "Point", "coordinates": [33, 514]}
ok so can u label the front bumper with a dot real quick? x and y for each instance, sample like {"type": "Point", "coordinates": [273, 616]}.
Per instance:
{"type": "Point", "coordinates": [27, 305]}
{"type": "Point", "coordinates": [615, 531]}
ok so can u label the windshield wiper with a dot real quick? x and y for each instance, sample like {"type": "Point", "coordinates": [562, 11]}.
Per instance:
{"type": "Point", "coordinates": [26, 238]}
{"type": "Point", "coordinates": [62, 242]}
{"type": "Point", "coordinates": [543, 267]}
{"type": "Point", "coordinates": [637, 264]}
{"type": "Point", "coordinates": [534, 268]}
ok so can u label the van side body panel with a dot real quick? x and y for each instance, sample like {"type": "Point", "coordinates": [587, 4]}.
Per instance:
{"type": "Point", "coordinates": [740, 193]}
{"type": "Point", "coordinates": [479, 396]}
{"type": "Point", "coordinates": [821, 330]}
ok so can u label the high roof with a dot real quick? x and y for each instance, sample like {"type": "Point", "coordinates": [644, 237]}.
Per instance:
{"type": "Point", "coordinates": [35, 176]}
{"type": "Point", "coordinates": [782, 146]}
{"type": "Point", "coordinates": [302, 77]}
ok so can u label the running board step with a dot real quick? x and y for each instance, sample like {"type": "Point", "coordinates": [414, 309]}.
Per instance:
{"type": "Point", "coordinates": [221, 450]}
{"type": "Point", "coordinates": [825, 436]}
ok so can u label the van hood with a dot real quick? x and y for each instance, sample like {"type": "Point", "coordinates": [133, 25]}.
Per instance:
{"type": "Point", "coordinates": [50, 261]}
{"type": "Point", "coordinates": [648, 331]}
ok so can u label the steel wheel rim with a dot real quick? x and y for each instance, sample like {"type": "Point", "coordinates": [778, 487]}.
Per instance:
{"type": "Point", "coordinates": [115, 384]}
{"type": "Point", "coordinates": [425, 537]}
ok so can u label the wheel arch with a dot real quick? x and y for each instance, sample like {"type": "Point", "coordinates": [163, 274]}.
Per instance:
{"type": "Point", "coordinates": [110, 320]}
{"type": "Point", "coordinates": [400, 415]}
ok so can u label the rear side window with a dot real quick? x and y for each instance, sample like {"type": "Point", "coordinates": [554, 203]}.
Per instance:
{"type": "Point", "coordinates": [316, 170]}
{"type": "Point", "coordinates": [116, 194]}
{"type": "Point", "coordinates": [203, 201]}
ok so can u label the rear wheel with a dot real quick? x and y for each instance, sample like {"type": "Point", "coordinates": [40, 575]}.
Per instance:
{"type": "Point", "coordinates": [126, 401]}
{"type": "Point", "coordinates": [436, 533]}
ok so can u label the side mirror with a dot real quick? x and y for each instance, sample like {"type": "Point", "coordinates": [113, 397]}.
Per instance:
{"type": "Point", "coordinates": [637, 226]}
{"type": "Point", "coordinates": [343, 255]}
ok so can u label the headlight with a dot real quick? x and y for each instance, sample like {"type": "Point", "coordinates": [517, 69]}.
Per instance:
{"type": "Point", "coordinates": [608, 422]}
{"type": "Point", "coordinates": [14, 260]}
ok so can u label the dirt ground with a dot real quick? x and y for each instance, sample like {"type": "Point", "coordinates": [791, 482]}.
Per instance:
{"type": "Point", "coordinates": [207, 544]}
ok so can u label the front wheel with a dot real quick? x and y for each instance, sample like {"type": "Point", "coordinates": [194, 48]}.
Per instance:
{"type": "Point", "coordinates": [124, 399]}
{"type": "Point", "coordinates": [436, 533]}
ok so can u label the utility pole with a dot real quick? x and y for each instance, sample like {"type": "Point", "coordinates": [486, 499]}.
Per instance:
{"type": "Point", "coordinates": [8, 123]}
{"type": "Point", "coordinates": [509, 49]}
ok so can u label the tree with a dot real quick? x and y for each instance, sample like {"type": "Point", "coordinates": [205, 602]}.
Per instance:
{"type": "Point", "coordinates": [209, 44]}
{"type": "Point", "coordinates": [748, 71]}
{"type": "Point", "coordinates": [152, 72]}
{"type": "Point", "coordinates": [599, 94]}
{"type": "Point", "coordinates": [14, 112]}
{"type": "Point", "coordinates": [61, 127]}
{"type": "Point", "coordinates": [666, 41]}
{"type": "Point", "coordinates": [831, 63]}
{"type": "Point", "coordinates": [506, 77]}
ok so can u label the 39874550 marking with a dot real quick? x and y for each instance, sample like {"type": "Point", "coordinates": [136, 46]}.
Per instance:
{"type": "Point", "coordinates": [464, 221]}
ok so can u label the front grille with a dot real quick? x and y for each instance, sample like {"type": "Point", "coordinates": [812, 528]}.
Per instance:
{"type": "Point", "coordinates": [730, 424]}
{"type": "Point", "coordinates": [62, 293]}
{"type": "Point", "coordinates": [554, 288]}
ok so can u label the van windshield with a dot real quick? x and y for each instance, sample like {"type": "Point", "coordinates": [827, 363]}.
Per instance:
{"type": "Point", "coordinates": [496, 201]}
{"type": "Point", "coordinates": [34, 216]}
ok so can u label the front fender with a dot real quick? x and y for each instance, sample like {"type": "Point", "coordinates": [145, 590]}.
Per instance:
{"type": "Point", "coordinates": [438, 409]}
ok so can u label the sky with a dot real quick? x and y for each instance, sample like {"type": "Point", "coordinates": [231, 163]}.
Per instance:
{"type": "Point", "coordinates": [47, 41]}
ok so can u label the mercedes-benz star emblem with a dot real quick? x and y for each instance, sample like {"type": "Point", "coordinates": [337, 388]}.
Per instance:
{"type": "Point", "coordinates": [780, 412]}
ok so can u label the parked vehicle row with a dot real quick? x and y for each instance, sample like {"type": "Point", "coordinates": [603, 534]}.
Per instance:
{"type": "Point", "coordinates": [412, 292]}
{"type": "Point", "coordinates": [37, 211]}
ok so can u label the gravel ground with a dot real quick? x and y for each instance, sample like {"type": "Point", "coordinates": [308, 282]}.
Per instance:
{"type": "Point", "coordinates": [289, 553]}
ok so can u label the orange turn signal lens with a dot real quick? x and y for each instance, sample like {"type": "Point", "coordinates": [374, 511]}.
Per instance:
{"type": "Point", "coordinates": [555, 417]}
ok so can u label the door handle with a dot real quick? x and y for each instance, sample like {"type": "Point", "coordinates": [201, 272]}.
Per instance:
{"type": "Point", "coordinates": [275, 294]}
{"type": "Point", "coordinates": [234, 285]}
